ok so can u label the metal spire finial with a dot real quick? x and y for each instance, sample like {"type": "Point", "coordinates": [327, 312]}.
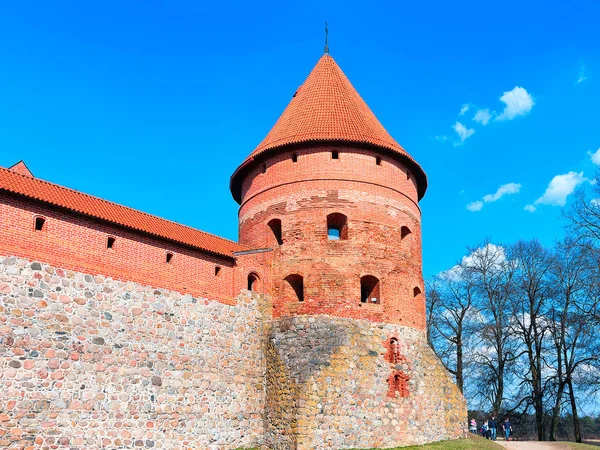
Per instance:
{"type": "Point", "coordinates": [326, 44]}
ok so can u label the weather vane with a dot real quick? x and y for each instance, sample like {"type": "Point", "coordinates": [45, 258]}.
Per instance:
{"type": "Point", "coordinates": [326, 44]}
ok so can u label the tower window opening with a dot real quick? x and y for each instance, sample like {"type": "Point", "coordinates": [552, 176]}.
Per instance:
{"type": "Point", "coordinates": [253, 282]}
{"type": "Point", "coordinates": [217, 271]}
{"type": "Point", "coordinates": [370, 290]}
{"type": "Point", "coordinates": [401, 384]}
{"type": "Point", "coordinates": [264, 168]}
{"type": "Point", "coordinates": [169, 257]}
{"type": "Point", "coordinates": [335, 154]}
{"type": "Point", "coordinates": [294, 157]}
{"type": "Point", "coordinates": [297, 284]}
{"type": "Point", "coordinates": [404, 231]}
{"type": "Point", "coordinates": [408, 174]}
{"type": "Point", "coordinates": [39, 223]}
{"type": "Point", "coordinates": [337, 227]}
{"type": "Point", "coordinates": [395, 356]}
{"type": "Point", "coordinates": [275, 226]}
{"type": "Point", "coordinates": [378, 160]}
{"type": "Point", "coordinates": [110, 242]}
{"type": "Point", "coordinates": [416, 291]}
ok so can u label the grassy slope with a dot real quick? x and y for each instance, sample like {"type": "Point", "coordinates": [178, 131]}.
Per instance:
{"type": "Point", "coordinates": [473, 442]}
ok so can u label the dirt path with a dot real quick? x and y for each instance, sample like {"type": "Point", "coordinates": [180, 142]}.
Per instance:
{"type": "Point", "coordinates": [529, 445]}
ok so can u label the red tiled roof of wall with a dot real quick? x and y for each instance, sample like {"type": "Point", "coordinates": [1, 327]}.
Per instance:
{"type": "Point", "coordinates": [328, 108]}
{"type": "Point", "coordinates": [34, 188]}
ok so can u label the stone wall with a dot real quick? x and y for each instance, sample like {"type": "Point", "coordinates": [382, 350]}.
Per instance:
{"type": "Point", "coordinates": [335, 383]}
{"type": "Point", "coordinates": [87, 362]}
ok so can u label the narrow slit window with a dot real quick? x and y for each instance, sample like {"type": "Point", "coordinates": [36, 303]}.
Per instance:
{"type": "Point", "coordinates": [378, 160]}
{"type": "Point", "coordinates": [335, 154]}
{"type": "Point", "coordinates": [253, 282]}
{"type": "Point", "coordinates": [40, 223]}
{"type": "Point", "coordinates": [369, 290]}
{"type": "Point", "coordinates": [275, 226]}
{"type": "Point", "coordinates": [337, 227]}
{"type": "Point", "coordinates": [296, 282]}
{"type": "Point", "coordinates": [264, 168]}
{"type": "Point", "coordinates": [110, 242]}
{"type": "Point", "coordinates": [416, 291]}
{"type": "Point", "coordinates": [217, 271]}
{"type": "Point", "coordinates": [404, 232]}
{"type": "Point", "coordinates": [294, 157]}
{"type": "Point", "coordinates": [169, 257]}
{"type": "Point", "coordinates": [407, 174]}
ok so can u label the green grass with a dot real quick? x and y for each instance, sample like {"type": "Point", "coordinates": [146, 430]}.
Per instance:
{"type": "Point", "coordinates": [473, 442]}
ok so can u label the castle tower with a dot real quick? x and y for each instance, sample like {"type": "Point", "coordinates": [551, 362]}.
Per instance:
{"type": "Point", "coordinates": [336, 197]}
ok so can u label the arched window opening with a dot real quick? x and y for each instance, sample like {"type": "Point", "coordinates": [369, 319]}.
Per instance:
{"type": "Point", "coordinates": [294, 157]}
{"type": "Point", "coordinates": [369, 290]}
{"type": "Point", "coordinates": [401, 384]}
{"type": "Point", "coordinates": [297, 284]}
{"type": "Point", "coordinates": [253, 282]}
{"type": "Point", "coordinates": [335, 154]}
{"type": "Point", "coordinates": [264, 168]}
{"type": "Point", "coordinates": [39, 223]}
{"type": "Point", "coordinates": [404, 231]}
{"type": "Point", "coordinates": [407, 174]}
{"type": "Point", "coordinates": [378, 160]}
{"type": "Point", "coordinates": [169, 257]}
{"type": "Point", "coordinates": [217, 271]}
{"type": "Point", "coordinates": [110, 242]}
{"type": "Point", "coordinates": [337, 227]}
{"type": "Point", "coordinates": [275, 226]}
{"type": "Point", "coordinates": [416, 291]}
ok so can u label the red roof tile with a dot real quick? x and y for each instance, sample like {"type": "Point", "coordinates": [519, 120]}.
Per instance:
{"type": "Point", "coordinates": [88, 205]}
{"type": "Point", "coordinates": [328, 108]}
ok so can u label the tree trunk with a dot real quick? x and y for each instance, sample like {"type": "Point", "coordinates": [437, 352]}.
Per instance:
{"type": "Point", "coordinates": [576, 425]}
{"type": "Point", "coordinates": [556, 411]}
{"type": "Point", "coordinates": [459, 361]}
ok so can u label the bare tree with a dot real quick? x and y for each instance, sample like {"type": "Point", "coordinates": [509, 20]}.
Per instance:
{"type": "Point", "coordinates": [574, 272]}
{"type": "Point", "coordinates": [451, 308]}
{"type": "Point", "coordinates": [492, 276]}
{"type": "Point", "coordinates": [531, 296]}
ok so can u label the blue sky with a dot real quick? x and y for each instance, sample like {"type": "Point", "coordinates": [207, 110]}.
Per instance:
{"type": "Point", "coordinates": [154, 104]}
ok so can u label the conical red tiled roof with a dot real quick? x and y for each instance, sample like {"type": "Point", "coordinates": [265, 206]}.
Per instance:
{"type": "Point", "coordinates": [328, 108]}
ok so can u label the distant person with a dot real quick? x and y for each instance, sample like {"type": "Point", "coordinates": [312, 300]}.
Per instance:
{"type": "Point", "coordinates": [485, 430]}
{"type": "Point", "coordinates": [507, 428]}
{"type": "Point", "coordinates": [473, 426]}
{"type": "Point", "coordinates": [493, 427]}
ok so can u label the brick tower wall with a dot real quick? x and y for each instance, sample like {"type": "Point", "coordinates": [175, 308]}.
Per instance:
{"type": "Point", "coordinates": [377, 199]}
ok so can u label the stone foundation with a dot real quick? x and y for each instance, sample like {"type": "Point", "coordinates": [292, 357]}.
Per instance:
{"type": "Point", "coordinates": [87, 362]}
{"type": "Point", "coordinates": [331, 384]}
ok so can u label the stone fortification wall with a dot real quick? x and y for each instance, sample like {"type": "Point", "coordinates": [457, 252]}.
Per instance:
{"type": "Point", "coordinates": [335, 383]}
{"type": "Point", "coordinates": [87, 362]}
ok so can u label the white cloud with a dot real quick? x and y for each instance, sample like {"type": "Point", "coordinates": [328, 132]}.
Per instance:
{"type": "Point", "coordinates": [495, 254]}
{"type": "Point", "coordinates": [463, 110]}
{"type": "Point", "coordinates": [518, 102]}
{"type": "Point", "coordinates": [463, 132]}
{"type": "Point", "coordinates": [560, 187]}
{"type": "Point", "coordinates": [505, 189]}
{"type": "Point", "coordinates": [482, 116]}
{"type": "Point", "coordinates": [475, 206]}
{"type": "Point", "coordinates": [595, 202]}
{"type": "Point", "coordinates": [530, 208]}
{"type": "Point", "coordinates": [596, 157]}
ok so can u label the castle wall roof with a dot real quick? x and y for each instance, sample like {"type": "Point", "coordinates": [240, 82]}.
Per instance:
{"type": "Point", "coordinates": [59, 196]}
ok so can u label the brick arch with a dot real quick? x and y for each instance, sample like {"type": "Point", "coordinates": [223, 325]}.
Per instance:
{"type": "Point", "coordinates": [255, 283]}
{"type": "Point", "coordinates": [398, 384]}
